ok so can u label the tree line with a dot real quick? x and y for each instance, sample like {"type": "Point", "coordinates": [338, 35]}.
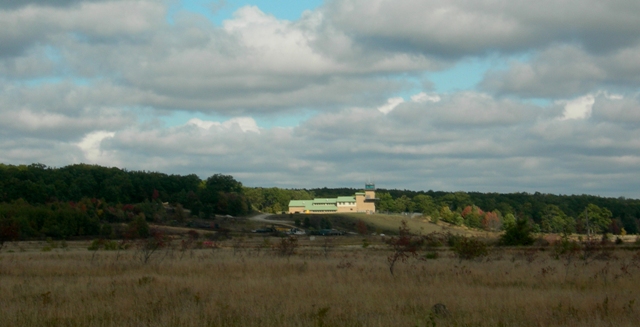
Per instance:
{"type": "Point", "coordinates": [79, 200]}
{"type": "Point", "coordinates": [83, 200]}
{"type": "Point", "coordinates": [490, 211]}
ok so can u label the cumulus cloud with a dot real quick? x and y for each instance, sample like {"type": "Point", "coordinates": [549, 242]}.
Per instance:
{"type": "Point", "coordinates": [246, 124]}
{"type": "Point", "coordinates": [508, 147]}
{"type": "Point", "coordinates": [414, 146]}
{"type": "Point", "coordinates": [254, 63]}
{"type": "Point", "coordinates": [566, 71]}
{"type": "Point", "coordinates": [61, 111]}
{"type": "Point", "coordinates": [391, 104]}
{"type": "Point", "coordinates": [578, 108]}
{"type": "Point", "coordinates": [88, 21]}
{"type": "Point", "coordinates": [460, 28]}
{"type": "Point", "coordinates": [80, 79]}
{"type": "Point", "coordinates": [616, 109]}
{"type": "Point", "coordinates": [90, 145]}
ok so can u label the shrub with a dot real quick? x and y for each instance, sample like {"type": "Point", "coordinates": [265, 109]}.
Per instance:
{"type": "Point", "coordinates": [147, 247]}
{"type": "Point", "coordinates": [566, 247]}
{"type": "Point", "coordinates": [470, 248]}
{"type": "Point", "coordinates": [453, 239]}
{"type": "Point", "coordinates": [431, 255]}
{"type": "Point", "coordinates": [518, 234]}
{"type": "Point", "coordinates": [107, 245]}
{"type": "Point", "coordinates": [287, 246]}
{"type": "Point", "coordinates": [435, 239]}
{"type": "Point", "coordinates": [95, 245]}
{"type": "Point", "coordinates": [111, 245]}
{"type": "Point", "coordinates": [404, 246]}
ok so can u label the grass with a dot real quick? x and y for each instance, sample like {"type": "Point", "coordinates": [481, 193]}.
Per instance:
{"type": "Point", "coordinates": [382, 223]}
{"type": "Point", "coordinates": [348, 286]}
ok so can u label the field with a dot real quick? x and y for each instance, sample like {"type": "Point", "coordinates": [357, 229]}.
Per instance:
{"type": "Point", "coordinates": [381, 223]}
{"type": "Point", "coordinates": [326, 282]}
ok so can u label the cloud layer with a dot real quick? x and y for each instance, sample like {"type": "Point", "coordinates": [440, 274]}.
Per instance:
{"type": "Point", "coordinates": [91, 81]}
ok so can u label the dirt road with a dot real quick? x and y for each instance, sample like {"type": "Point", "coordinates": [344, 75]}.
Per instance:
{"type": "Point", "coordinates": [263, 218]}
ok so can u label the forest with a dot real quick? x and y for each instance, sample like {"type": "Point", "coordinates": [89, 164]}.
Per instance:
{"type": "Point", "coordinates": [83, 200]}
{"type": "Point", "coordinates": [86, 200]}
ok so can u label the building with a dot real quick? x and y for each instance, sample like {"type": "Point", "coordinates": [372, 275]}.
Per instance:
{"type": "Point", "coordinates": [360, 202]}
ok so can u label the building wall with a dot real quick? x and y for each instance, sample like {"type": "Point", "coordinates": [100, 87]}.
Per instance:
{"type": "Point", "coordinates": [360, 205]}
{"type": "Point", "coordinates": [296, 209]}
{"type": "Point", "coordinates": [347, 209]}
{"type": "Point", "coordinates": [363, 206]}
{"type": "Point", "coordinates": [369, 194]}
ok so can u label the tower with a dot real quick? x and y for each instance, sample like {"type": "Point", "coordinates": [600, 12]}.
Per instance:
{"type": "Point", "coordinates": [369, 191]}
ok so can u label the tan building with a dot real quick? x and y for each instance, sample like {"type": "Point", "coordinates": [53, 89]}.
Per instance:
{"type": "Point", "coordinates": [360, 202]}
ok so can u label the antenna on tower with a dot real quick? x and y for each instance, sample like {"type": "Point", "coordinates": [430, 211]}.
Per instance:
{"type": "Point", "coordinates": [369, 184]}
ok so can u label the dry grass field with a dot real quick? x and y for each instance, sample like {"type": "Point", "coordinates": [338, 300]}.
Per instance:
{"type": "Point", "coordinates": [247, 284]}
{"type": "Point", "coordinates": [387, 223]}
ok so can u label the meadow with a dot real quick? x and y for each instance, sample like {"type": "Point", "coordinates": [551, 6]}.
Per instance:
{"type": "Point", "coordinates": [326, 282]}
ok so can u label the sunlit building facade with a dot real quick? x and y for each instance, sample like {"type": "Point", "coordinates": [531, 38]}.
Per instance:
{"type": "Point", "coordinates": [360, 202]}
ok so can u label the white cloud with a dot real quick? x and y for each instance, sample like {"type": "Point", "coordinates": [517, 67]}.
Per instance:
{"type": "Point", "coordinates": [458, 28]}
{"type": "Point", "coordinates": [617, 109]}
{"type": "Point", "coordinates": [391, 104]}
{"type": "Point", "coordinates": [83, 81]}
{"type": "Point", "coordinates": [465, 141]}
{"type": "Point", "coordinates": [246, 124]}
{"type": "Point", "coordinates": [424, 97]}
{"type": "Point", "coordinates": [563, 71]}
{"type": "Point", "coordinates": [579, 108]}
{"type": "Point", "coordinates": [90, 145]}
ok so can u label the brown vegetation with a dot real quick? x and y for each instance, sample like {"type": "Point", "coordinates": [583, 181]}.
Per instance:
{"type": "Point", "coordinates": [348, 286]}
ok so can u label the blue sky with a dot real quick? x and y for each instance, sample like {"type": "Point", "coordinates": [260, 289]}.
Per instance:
{"type": "Point", "coordinates": [218, 11]}
{"type": "Point", "coordinates": [418, 94]}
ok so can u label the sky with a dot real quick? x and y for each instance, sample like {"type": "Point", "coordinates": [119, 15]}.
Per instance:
{"type": "Point", "coordinates": [489, 96]}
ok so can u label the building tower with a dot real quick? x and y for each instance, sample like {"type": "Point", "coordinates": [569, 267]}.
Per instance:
{"type": "Point", "coordinates": [370, 191]}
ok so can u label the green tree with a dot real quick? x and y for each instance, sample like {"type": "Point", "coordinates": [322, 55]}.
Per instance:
{"type": "Point", "coordinates": [595, 219]}
{"type": "Point", "coordinates": [423, 203]}
{"type": "Point", "coordinates": [276, 208]}
{"type": "Point", "coordinates": [508, 221]}
{"type": "Point", "coordinates": [519, 234]}
{"type": "Point", "coordinates": [386, 202]}
{"type": "Point", "coordinates": [457, 200]}
{"type": "Point", "coordinates": [403, 204]}
{"type": "Point", "coordinates": [554, 220]}
{"type": "Point", "coordinates": [472, 216]}
{"type": "Point", "coordinates": [446, 214]}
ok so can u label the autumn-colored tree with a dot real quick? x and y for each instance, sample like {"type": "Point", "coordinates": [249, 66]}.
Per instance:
{"type": "Point", "coordinates": [473, 216]}
{"type": "Point", "coordinates": [404, 246]}
{"type": "Point", "coordinates": [156, 241]}
{"type": "Point", "coordinates": [491, 221]}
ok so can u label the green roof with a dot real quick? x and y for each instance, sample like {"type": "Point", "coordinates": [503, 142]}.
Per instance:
{"type": "Point", "coordinates": [299, 203]}
{"type": "Point", "coordinates": [319, 201]}
{"type": "Point", "coordinates": [314, 205]}
{"type": "Point", "coordinates": [322, 204]}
